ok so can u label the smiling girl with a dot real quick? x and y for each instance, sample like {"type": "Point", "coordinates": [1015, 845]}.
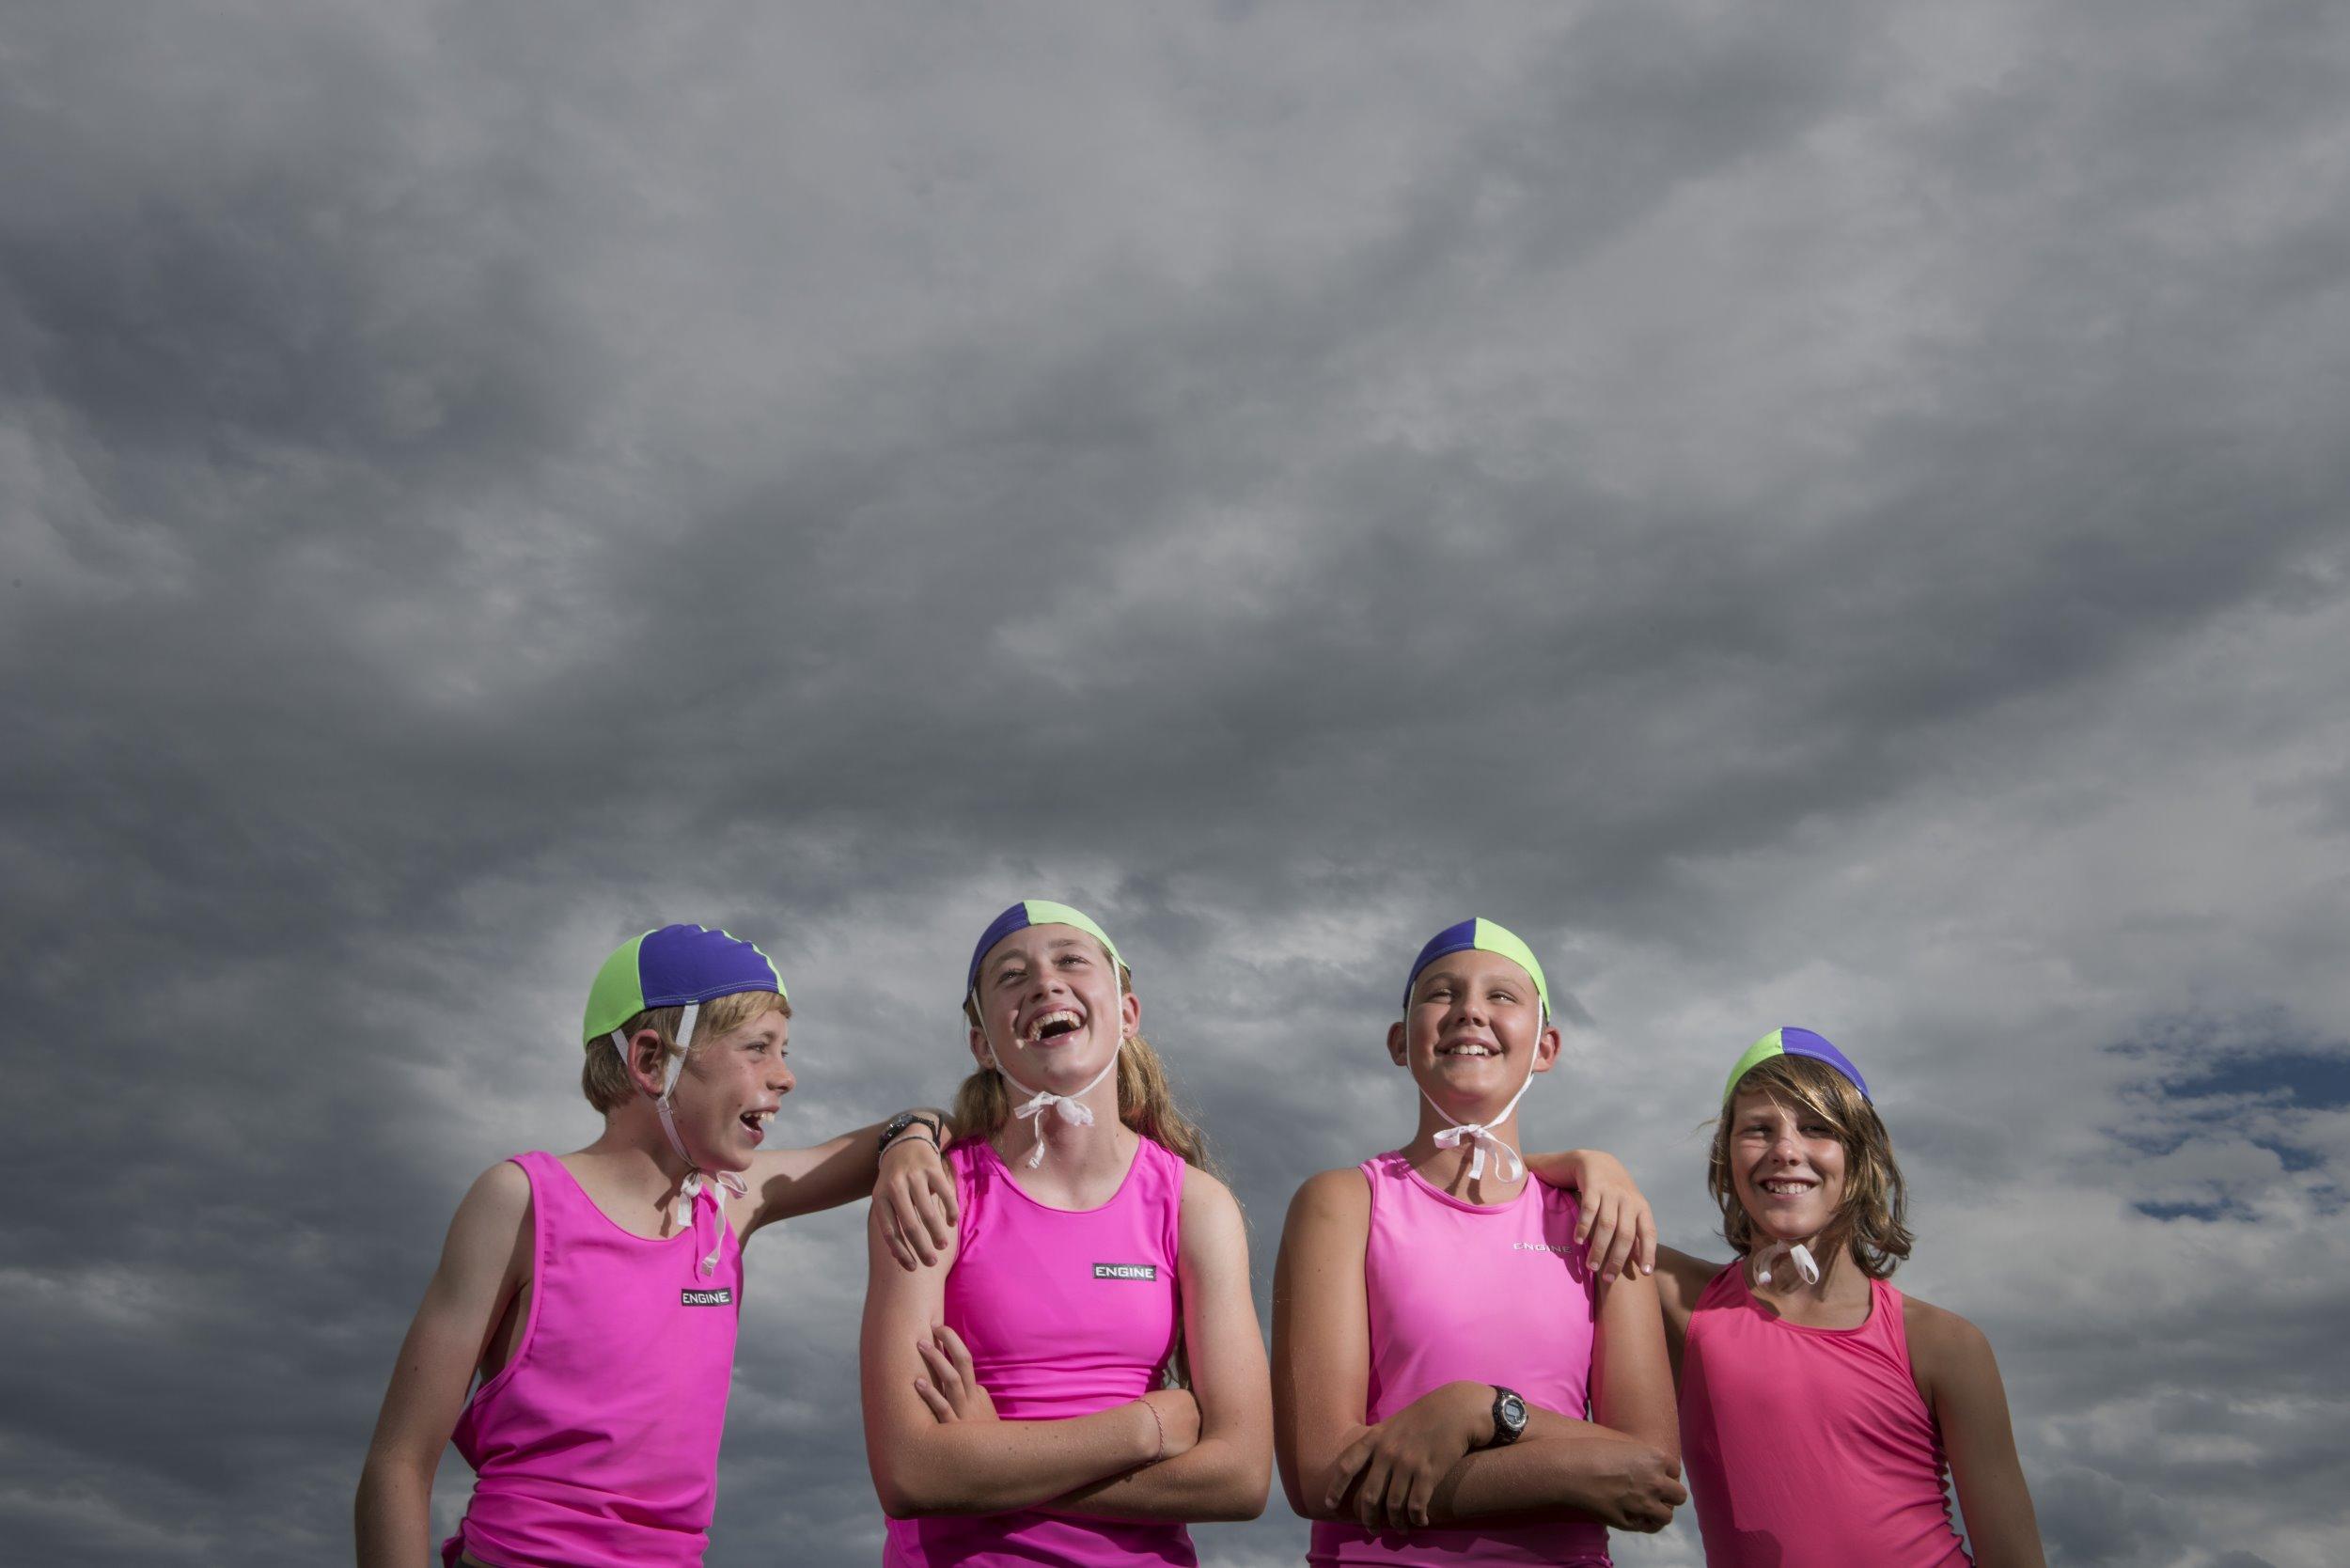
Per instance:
{"type": "Point", "coordinates": [1015, 1411]}
{"type": "Point", "coordinates": [1820, 1405]}
{"type": "Point", "coordinates": [1454, 1382]}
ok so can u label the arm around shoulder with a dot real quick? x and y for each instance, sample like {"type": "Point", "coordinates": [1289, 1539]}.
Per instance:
{"type": "Point", "coordinates": [1961, 1380]}
{"type": "Point", "coordinates": [484, 1262]}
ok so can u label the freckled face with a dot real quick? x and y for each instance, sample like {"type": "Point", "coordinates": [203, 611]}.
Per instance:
{"type": "Point", "coordinates": [1051, 1008]}
{"type": "Point", "coordinates": [1475, 1018]}
{"type": "Point", "coordinates": [1787, 1165]}
{"type": "Point", "coordinates": [731, 1089]}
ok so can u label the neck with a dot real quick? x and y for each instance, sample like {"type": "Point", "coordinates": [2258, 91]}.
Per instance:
{"type": "Point", "coordinates": [637, 1153]}
{"type": "Point", "coordinates": [1448, 1170]}
{"type": "Point", "coordinates": [1841, 1276]}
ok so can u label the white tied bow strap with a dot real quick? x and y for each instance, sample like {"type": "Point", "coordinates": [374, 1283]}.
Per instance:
{"type": "Point", "coordinates": [1073, 1109]}
{"type": "Point", "coordinates": [1480, 1134]}
{"type": "Point", "coordinates": [1806, 1266]}
{"type": "Point", "coordinates": [697, 1181]}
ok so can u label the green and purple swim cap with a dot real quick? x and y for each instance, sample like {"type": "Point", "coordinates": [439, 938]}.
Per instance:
{"type": "Point", "coordinates": [1034, 911]}
{"type": "Point", "coordinates": [1792, 1041]}
{"type": "Point", "coordinates": [674, 967]}
{"type": "Point", "coordinates": [1484, 936]}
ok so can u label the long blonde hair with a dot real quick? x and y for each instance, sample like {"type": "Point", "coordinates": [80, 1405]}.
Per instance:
{"type": "Point", "coordinates": [1871, 1218]}
{"type": "Point", "coordinates": [1146, 1101]}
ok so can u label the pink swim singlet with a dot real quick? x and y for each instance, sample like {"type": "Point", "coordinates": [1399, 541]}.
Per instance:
{"type": "Point", "coordinates": [597, 1445]}
{"type": "Point", "coordinates": [1810, 1448]}
{"type": "Point", "coordinates": [1464, 1291]}
{"type": "Point", "coordinates": [1065, 1312]}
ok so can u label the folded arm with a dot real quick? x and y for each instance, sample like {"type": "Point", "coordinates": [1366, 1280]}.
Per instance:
{"type": "Point", "coordinates": [1424, 1465]}
{"type": "Point", "coordinates": [924, 1465]}
{"type": "Point", "coordinates": [1228, 1472]}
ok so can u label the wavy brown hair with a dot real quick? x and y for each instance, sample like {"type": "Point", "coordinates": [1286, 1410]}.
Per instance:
{"type": "Point", "coordinates": [1869, 1221]}
{"type": "Point", "coordinates": [1146, 1101]}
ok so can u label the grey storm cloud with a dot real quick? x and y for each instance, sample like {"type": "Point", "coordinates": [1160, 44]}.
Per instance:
{"type": "Point", "coordinates": [1833, 514]}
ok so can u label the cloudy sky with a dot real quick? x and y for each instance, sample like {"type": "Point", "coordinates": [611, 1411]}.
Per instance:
{"type": "Point", "coordinates": [1830, 514]}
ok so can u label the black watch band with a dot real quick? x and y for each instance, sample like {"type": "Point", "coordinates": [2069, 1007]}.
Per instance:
{"type": "Point", "coordinates": [904, 1121]}
{"type": "Point", "coordinates": [1509, 1418]}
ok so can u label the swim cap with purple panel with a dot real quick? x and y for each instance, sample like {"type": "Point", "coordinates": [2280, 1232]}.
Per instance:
{"type": "Point", "coordinates": [1486, 937]}
{"type": "Point", "coordinates": [1034, 911]}
{"type": "Point", "coordinates": [674, 967]}
{"type": "Point", "coordinates": [1793, 1042]}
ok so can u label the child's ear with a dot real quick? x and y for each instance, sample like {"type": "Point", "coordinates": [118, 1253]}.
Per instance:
{"type": "Point", "coordinates": [1396, 1042]}
{"type": "Point", "coordinates": [648, 1059]}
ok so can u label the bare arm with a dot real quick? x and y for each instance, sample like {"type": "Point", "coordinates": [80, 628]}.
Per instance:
{"type": "Point", "coordinates": [1962, 1388]}
{"type": "Point", "coordinates": [909, 1184]}
{"type": "Point", "coordinates": [1423, 1465]}
{"type": "Point", "coordinates": [484, 1263]}
{"type": "Point", "coordinates": [924, 1465]}
{"type": "Point", "coordinates": [1227, 1474]}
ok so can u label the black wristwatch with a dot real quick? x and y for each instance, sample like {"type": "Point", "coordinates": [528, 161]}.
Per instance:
{"type": "Point", "coordinates": [904, 1119]}
{"type": "Point", "coordinates": [1508, 1418]}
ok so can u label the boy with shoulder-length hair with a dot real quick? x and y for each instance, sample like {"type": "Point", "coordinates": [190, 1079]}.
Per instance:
{"type": "Point", "coordinates": [595, 1294]}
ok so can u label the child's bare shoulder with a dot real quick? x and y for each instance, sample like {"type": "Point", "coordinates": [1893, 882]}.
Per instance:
{"type": "Point", "coordinates": [494, 1211]}
{"type": "Point", "coordinates": [1339, 1197]}
{"type": "Point", "coordinates": [1942, 1344]}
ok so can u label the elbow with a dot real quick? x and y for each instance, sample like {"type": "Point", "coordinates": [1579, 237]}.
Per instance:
{"type": "Point", "coordinates": [1243, 1496]}
{"type": "Point", "coordinates": [904, 1494]}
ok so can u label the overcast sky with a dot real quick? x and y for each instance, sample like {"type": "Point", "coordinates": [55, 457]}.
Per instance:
{"type": "Point", "coordinates": [1826, 514]}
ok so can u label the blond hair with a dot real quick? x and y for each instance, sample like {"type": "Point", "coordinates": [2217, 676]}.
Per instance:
{"type": "Point", "coordinates": [1869, 1220]}
{"type": "Point", "coordinates": [603, 1076]}
{"type": "Point", "coordinates": [1146, 1101]}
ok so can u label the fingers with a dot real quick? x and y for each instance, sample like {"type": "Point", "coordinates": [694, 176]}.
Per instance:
{"type": "Point", "coordinates": [1371, 1498]}
{"type": "Point", "coordinates": [1647, 1241]}
{"type": "Point", "coordinates": [899, 1252]}
{"type": "Point", "coordinates": [1398, 1510]}
{"type": "Point", "coordinates": [958, 1354]}
{"type": "Point", "coordinates": [934, 1401]}
{"type": "Point", "coordinates": [949, 1210]}
{"type": "Point", "coordinates": [1621, 1241]}
{"type": "Point", "coordinates": [1344, 1472]}
{"type": "Point", "coordinates": [943, 1371]}
{"type": "Point", "coordinates": [910, 1225]}
{"type": "Point", "coordinates": [1598, 1228]}
{"type": "Point", "coordinates": [1416, 1498]}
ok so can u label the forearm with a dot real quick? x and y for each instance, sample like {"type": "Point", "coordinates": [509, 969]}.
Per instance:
{"type": "Point", "coordinates": [991, 1467]}
{"type": "Point", "coordinates": [1557, 1473]}
{"type": "Point", "coordinates": [392, 1515]}
{"type": "Point", "coordinates": [1219, 1479]}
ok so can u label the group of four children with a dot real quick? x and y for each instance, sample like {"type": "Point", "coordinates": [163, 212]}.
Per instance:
{"type": "Point", "coordinates": [1476, 1352]}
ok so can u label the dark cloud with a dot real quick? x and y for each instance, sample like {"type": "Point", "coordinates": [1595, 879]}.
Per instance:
{"type": "Point", "coordinates": [1831, 518]}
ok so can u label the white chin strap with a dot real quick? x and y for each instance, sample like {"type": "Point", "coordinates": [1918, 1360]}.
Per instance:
{"type": "Point", "coordinates": [1073, 1109]}
{"type": "Point", "coordinates": [1806, 1266]}
{"type": "Point", "coordinates": [1480, 1134]}
{"type": "Point", "coordinates": [698, 1182]}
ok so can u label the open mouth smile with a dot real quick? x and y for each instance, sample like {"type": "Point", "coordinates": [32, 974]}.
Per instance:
{"type": "Point", "coordinates": [1053, 1026]}
{"type": "Point", "coordinates": [755, 1122]}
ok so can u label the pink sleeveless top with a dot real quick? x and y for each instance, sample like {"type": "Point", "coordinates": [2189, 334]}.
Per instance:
{"type": "Point", "coordinates": [597, 1445]}
{"type": "Point", "coordinates": [1438, 1274]}
{"type": "Point", "coordinates": [1066, 1313]}
{"type": "Point", "coordinates": [1810, 1448]}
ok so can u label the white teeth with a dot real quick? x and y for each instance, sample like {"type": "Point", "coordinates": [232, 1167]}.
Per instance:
{"type": "Point", "coordinates": [1060, 1015]}
{"type": "Point", "coordinates": [1468, 1051]}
